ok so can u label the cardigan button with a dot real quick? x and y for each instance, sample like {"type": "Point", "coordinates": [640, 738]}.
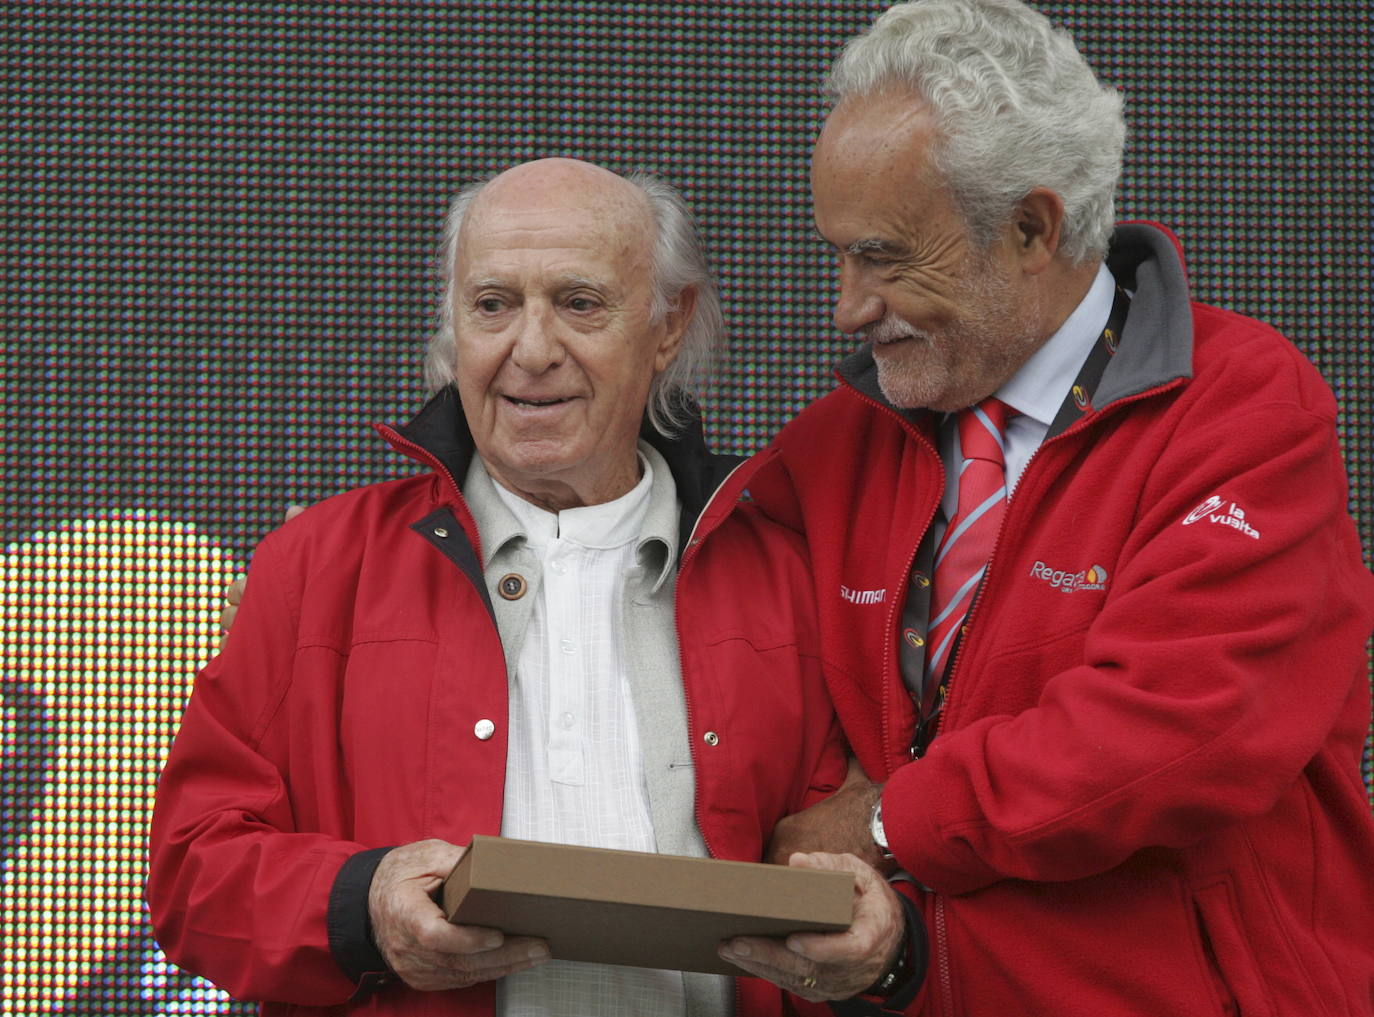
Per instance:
{"type": "Point", "coordinates": [484, 729]}
{"type": "Point", "coordinates": [711, 738]}
{"type": "Point", "coordinates": [920, 579]}
{"type": "Point", "coordinates": [440, 532]}
{"type": "Point", "coordinates": [512, 586]}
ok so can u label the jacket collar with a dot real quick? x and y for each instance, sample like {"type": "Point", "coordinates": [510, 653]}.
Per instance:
{"type": "Point", "coordinates": [439, 434]}
{"type": "Point", "coordinates": [1157, 340]}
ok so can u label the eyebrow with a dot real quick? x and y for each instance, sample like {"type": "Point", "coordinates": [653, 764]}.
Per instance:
{"type": "Point", "coordinates": [870, 244]}
{"type": "Point", "coordinates": [565, 282]}
{"type": "Point", "coordinates": [489, 283]}
{"type": "Point", "coordinates": [859, 247]}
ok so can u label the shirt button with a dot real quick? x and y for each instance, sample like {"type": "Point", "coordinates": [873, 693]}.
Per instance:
{"type": "Point", "coordinates": [512, 586]}
{"type": "Point", "coordinates": [558, 566]}
{"type": "Point", "coordinates": [567, 645]}
{"type": "Point", "coordinates": [567, 720]}
{"type": "Point", "coordinates": [484, 729]}
{"type": "Point", "coordinates": [711, 738]}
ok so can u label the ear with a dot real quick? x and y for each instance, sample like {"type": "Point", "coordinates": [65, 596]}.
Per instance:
{"type": "Point", "coordinates": [1038, 222]}
{"type": "Point", "coordinates": [674, 327]}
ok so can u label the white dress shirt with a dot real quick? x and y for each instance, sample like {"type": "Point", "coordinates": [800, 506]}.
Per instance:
{"type": "Point", "coordinates": [1037, 389]}
{"type": "Point", "coordinates": [574, 771]}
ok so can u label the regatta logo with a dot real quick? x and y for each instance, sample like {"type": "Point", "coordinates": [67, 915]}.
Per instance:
{"type": "Point", "coordinates": [1214, 510]}
{"type": "Point", "coordinates": [1094, 578]}
{"type": "Point", "coordinates": [863, 596]}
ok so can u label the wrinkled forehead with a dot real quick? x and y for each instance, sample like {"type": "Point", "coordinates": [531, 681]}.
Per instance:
{"type": "Point", "coordinates": [605, 235]}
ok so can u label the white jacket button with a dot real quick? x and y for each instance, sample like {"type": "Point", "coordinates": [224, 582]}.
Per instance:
{"type": "Point", "coordinates": [484, 729]}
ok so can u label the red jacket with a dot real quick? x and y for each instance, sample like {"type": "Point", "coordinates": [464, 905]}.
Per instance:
{"type": "Point", "coordinates": [1145, 793]}
{"type": "Point", "coordinates": [339, 720]}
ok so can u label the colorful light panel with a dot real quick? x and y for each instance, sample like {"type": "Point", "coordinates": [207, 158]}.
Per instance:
{"type": "Point", "coordinates": [220, 221]}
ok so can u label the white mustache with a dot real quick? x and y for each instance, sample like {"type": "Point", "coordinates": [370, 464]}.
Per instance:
{"type": "Point", "coordinates": [891, 327]}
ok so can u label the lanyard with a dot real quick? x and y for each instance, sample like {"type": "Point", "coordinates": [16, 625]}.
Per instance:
{"type": "Point", "coordinates": [916, 610]}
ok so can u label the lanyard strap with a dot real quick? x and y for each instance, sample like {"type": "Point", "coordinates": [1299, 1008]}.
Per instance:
{"type": "Point", "coordinates": [1079, 399]}
{"type": "Point", "coordinates": [916, 609]}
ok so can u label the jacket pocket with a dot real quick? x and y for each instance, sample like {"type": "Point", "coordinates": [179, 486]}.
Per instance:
{"type": "Point", "coordinates": [1234, 970]}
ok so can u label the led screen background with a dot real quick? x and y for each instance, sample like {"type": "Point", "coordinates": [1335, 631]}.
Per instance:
{"type": "Point", "coordinates": [220, 222]}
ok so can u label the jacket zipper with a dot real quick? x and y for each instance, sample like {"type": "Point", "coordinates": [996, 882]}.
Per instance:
{"type": "Point", "coordinates": [941, 932]}
{"type": "Point", "coordinates": [899, 586]}
{"type": "Point", "coordinates": [690, 551]}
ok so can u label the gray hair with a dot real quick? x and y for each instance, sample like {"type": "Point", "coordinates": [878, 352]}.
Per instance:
{"type": "Point", "coordinates": [679, 263]}
{"type": "Point", "coordinates": [1017, 106]}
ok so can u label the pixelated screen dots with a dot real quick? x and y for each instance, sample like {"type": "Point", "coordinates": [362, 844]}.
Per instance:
{"type": "Point", "coordinates": [103, 625]}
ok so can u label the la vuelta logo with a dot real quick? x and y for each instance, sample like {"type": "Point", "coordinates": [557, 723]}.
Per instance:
{"type": "Point", "coordinates": [1215, 510]}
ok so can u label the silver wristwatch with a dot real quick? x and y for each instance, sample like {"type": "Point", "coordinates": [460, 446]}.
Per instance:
{"type": "Point", "coordinates": [875, 827]}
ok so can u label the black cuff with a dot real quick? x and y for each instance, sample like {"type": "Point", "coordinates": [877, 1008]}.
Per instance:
{"type": "Point", "coordinates": [350, 923]}
{"type": "Point", "coordinates": [902, 994]}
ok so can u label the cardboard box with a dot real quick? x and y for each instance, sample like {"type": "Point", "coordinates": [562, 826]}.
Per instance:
{"type": "Point", "coordinates": [645, 910]}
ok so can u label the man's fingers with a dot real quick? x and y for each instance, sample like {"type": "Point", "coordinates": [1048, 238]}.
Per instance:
{"type": "Point", "coordinates": [440, 961]}
{"type": "Point", "coordinates": [435, 935]}
{"type": "Point", "coordinates": [419, 944]}
{"type": "Point", "coordinates": [474, 949]}
{"type": "Point", "coordinates": [234, 595]}
{"type": "Point", "coordinates": [226, 617]}
{"type": "Point", "coordinates": [834, 965]}
{"type": "Point", "coordinates": [770, 960]}
{"type": "Point", "coordinates": [516, 953]}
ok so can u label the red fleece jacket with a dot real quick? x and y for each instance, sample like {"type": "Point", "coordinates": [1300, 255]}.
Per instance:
{"type": "Point", "coordinates": [1144, 797]}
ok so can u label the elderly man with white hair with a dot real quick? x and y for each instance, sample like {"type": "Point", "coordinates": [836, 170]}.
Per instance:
{"type": "Point", "coordinates": [569, 630]}
{"type": "Point", "coordinates": [1083, 558]}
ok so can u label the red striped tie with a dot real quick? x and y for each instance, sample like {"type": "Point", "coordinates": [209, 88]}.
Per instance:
{"type": "Point", "coordinates": [962, 556]}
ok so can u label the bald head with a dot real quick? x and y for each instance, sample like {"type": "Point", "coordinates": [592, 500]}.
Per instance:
{"type": "Point", "coordinates": [605, 214]}
{"type": "Point", "coordinates": [535, 190]}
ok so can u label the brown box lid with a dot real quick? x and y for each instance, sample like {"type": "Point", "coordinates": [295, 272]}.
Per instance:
{"type": "Point", "coordinates": [635, 908]}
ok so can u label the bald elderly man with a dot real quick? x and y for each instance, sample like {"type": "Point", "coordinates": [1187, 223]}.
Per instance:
{"type": "Point", "coordinates": [568, 630]}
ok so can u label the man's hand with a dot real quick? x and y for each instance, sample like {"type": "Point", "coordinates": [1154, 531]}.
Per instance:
{"type": "Point", "coordinates": [415, 939]}
{"type": "Point", "coordinates": [837, 965]}
{"type": "Point", "coordinates": [837, 825]}
{"type": "Point", "coordinates": [235, 592]}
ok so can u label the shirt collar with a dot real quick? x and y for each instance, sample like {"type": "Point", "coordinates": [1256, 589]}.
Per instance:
{"type": "Point", "coordinates": [656, 548]}
{"type": "Point", "coordinates": [602, 526]}
{"type": "Point", "coordinates": [1038, 388]}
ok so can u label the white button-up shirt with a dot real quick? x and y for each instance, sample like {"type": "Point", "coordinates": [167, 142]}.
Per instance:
{"type": "Point", "coordinates": [574, 770]}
